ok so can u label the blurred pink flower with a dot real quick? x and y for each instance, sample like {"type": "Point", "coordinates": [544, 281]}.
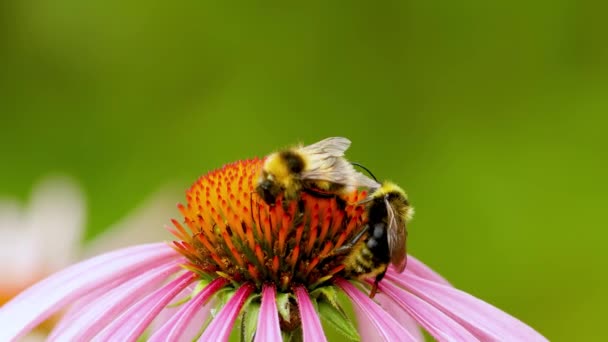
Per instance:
{"type": "Point", "coordinates": [267, 266]}
{"type": "Point", "coordinates": [45, 236]}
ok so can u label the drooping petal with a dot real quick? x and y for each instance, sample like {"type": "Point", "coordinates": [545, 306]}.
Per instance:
{"type": "Point", "coordinates": [366, 329]}
{"type": "Point", "coordinates": [268, 328]}
{"type": "Point", "coordinates": [176, 304]}
{"type": "Point", "coordinates": [176, 327]}
{"type": "Point", "coordinates": [85, 322]}
{"type": "Point", "coordinates": [75, 309]}
{"type": "Point", "coordinates": [482, 319]}
{"type": "Point", "coordinates": [386, 326]}
{"type": "Point", "coordinates": [132, 323]}
{"type": "Point", "coordinates": [197, 323]}
{"type": "Point", "coordinates": [418, 268]}
{"type": "Point", "coordinates": [311, 324]}
{"type": "Point", "coordinates": [173, 308]}
{"type": "Point", "coordinates": [219, 329]}
{"type": "Point", "coordinates": [400, 316]}
{"type": "Point", "coordinates": [46, 297]}
{"type": "Point", "coordinates": [438, 324]}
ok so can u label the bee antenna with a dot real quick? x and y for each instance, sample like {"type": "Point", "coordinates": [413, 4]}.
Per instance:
{"type": "Point", "coordinates": [366, 169]}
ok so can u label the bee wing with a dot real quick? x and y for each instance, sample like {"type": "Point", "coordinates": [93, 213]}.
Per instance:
{"type": "Point", "coordinates": [362, 181]}
{"type": "Point", "coordinates": [338, 170]}
{"type": "Point", "coordinates": [396, 238]}
{"type": "Point", "coordinates": [327, 163]}
{"type": "Point", "coordinates": [330, 147]}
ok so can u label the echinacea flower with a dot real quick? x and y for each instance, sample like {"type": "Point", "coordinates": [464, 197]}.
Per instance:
{"type": "Point", "coordinates": [270, 267]}
{"type": "Point", "coordinates": [44, 236]}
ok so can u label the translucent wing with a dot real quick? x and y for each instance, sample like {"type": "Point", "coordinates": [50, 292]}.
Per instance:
{"type": "Point", "coordinates": [362, 181]}
{"type": "Point", "coordinates": [340, 171]}
{"type": "Point", "coordinates": [396, 238]}
{"type": "Point", "coordinates": [326, 163]}
{"type": "Point", "coordinates": [330, 147]}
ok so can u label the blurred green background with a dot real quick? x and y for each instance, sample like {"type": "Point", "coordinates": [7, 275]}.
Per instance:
{"type": "Point", "coordinates": [491, 115]}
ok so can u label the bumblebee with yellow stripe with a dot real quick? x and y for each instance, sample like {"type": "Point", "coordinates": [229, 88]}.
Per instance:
{"type": "Point", "coordinates": [383, 239]}
{"type": "Point", "coordinates": [319, 169]}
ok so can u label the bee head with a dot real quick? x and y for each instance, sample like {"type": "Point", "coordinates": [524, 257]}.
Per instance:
{"type": "Point", "coordinates": [280, 174]}
{"type": "Point", "coordinates": [268, 188]}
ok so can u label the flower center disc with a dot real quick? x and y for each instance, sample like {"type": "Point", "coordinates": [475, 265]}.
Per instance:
{"type": "Point", "coordinates": [234, 234]}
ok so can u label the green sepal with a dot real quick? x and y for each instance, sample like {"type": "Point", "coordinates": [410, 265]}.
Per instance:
{"type": "Point", "coordinates": [250, 321]}
{"type": "Point", "coordinates": [293, 336]}
{"type": "Point", "coordinates": [200, 286]}
{"type": "Point", "coordinates": [197, 289]}
{"type": "Point", "coordinates": [335, 316]}
{"type": "Point", "coordinates": [221, 298]}
{"type": "Point", "coordinates": [328, 294]}
{"type": "Point", "coordinates": [143, 337]}
{"type": "Point", "coordinates": [180, 302]}
{"type": "Point", "coordinates": [254, 298]}
{"type": "Point", "coordinates": [283, 306]}
{"type": "Point", "coordinates": [330, 310]}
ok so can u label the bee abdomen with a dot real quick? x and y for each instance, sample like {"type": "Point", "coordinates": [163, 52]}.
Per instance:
{"type": "Point", "coordinates": [377, 243]}
{"type": "Point", "coordinates": [370, 256]}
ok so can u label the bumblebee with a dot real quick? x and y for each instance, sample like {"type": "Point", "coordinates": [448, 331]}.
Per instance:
{"type": "Point", "coordinates": [319, 169]}
{"type": "Point", "coordinates": [383, 239]}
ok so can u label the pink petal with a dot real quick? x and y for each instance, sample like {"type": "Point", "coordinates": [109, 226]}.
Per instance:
{"type": "Point", "coordinates": [480, 318]}
{"type": "Point", "coordinates": [438, 324]}
{"type": "Point", "coordinates": [219, 329]}
{"type": "Point", "coordinates": [268, 319]}
{"type": "Point", "coordinates": [85, 322]}
{"type": "Point", "coordinates": [41, 300]}
{"type": "Point", "coordinates": [366, 329]}
{"type": "Point", "coordinates": [174, 328]}
{"type": "Point", "coordinates": [165, 315]}
{"type": "Point", "coordinates": [418, 268]}
{"type": "Point", "coordinates": [386, 326]}
{"type": "Point", "coordinates": [132, 323]}
{"type": "Point", "coordinates": [83, 303]}
{"type": "Point", "coordinates": [311, 325]}
{"type": "Point", "coordinates": [400, 316]}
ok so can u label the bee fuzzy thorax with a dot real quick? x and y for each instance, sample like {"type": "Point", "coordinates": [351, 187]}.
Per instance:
{"type": "Point", "coordinates": [396, 196]}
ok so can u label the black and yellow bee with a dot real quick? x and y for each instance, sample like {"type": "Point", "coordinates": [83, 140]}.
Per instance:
{"type": "Point", "coordinates": [383, 239]}
{"type": "Point", "coordinates": [319, 169]}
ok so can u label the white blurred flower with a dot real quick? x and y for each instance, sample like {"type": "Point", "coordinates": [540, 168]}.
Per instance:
{"type": "Point", "coordinates": [43, 236]}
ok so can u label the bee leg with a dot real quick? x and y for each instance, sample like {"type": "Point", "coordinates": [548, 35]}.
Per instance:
{"type": "Point", "coordinates": [374, 290]}
{"type": "Point", "coordinates": [251, 209]}
{"type": "Point", "coordinates": [351, 243]}
{"type": "Point", "coordinates": [318, 193]}
{"type": "Point", "coordinates": [327, 195]}
{"type": "Point", "coordinates": [251, 206]}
